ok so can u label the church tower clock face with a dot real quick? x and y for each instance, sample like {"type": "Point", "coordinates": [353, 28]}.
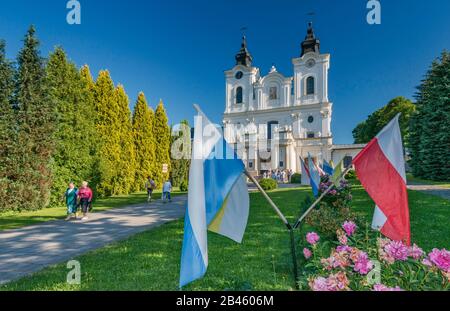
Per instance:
{"type": "Point", "coordinates": [310, 63]}
{"type": "Point", "coordinates": [239, 75]}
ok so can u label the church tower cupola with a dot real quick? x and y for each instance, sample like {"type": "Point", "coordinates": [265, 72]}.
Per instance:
{"type": "Point", "coordinates": [243, 57]}
{"type": "Point", "coordinates": [311, 43]}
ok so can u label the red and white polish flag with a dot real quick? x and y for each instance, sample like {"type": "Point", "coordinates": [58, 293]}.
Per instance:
{"type": "Point", "coordinates": [380, 167]}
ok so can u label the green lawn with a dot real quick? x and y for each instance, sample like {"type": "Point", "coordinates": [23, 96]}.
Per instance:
{"type": "Point", "coordinates": [12, 220]}
{"type": "Point", "coordinates": [150, 260]}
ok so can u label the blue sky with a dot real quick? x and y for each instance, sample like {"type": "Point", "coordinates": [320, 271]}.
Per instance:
{"type": "Point", "coordinates": [178, 50]}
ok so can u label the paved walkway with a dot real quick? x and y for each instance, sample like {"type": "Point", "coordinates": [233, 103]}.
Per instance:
{"type": "Point", "coordinates": [27, 250]}
{"type": "Point", "coordinates": [431, 189]}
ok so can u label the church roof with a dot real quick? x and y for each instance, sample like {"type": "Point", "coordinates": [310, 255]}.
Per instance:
{"type": "Point", "coordinates": [243, 57]}
{"type": "Point", "coordinates": [352, 146]}
{"type": "Point", "coordinates": [311, 43]}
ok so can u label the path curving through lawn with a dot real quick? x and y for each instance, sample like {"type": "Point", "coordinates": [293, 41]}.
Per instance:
{"type": "Point", "coordinates": [437, 190]}
{"type": "Point", "coordinates": [30, 249]}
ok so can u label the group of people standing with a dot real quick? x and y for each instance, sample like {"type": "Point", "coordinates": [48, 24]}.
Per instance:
{"type": "Point", "coordinates": [76, 198]}
{"type": "Point", "coordinates": [280, 176]}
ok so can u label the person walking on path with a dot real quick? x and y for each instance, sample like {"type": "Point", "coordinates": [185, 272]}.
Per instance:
{"type": "Point", "coordinates": [167, 189]}
{"type": "Point", "coordinates": [85, 197]}
{"type": "Point", "coordinates": [70, 196]}
{"type": "Point", "coordinates": [150, 186]}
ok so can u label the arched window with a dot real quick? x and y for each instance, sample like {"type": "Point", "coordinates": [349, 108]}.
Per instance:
{"type": "Point", "coordinates": [310, 87]}
{"type": "Point", "coordinates": [239, 96]}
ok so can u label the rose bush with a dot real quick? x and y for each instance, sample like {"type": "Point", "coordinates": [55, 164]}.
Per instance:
{"type": "Point", "coordinates": [333, 209]}
{"type": "Point", "coordinates": [361, 261]}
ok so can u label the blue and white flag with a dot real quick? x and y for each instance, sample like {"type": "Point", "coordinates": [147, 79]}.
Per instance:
{"type": "Point", "coordinates": [218, 198]}
{"type": "Point", "coordinates": [314, 176]}
{"type": "Point", "coordinates": [328, 168]}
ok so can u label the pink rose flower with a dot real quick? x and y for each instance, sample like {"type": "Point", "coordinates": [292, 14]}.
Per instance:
{"type": "Point", "coordinates": [440, 258]}
{"type": "Point", "coordinates": [343, 239]}
{"type": "Point", "coordinates": [344, 248]}
{"type": "Point", "coordinates": [427, 262]}
{"type": "Point", "coordinates": [312, 238]}
{"type": "Point", "coordinates": [349, 227]}
{"type": "Point", "coordinates": [319, 284]}
{"type": "Point", "coordinates": [415, 252]}
{"type": "Point", "coordinates": [384, 288]}
{"type": "Point", "coordinates": [338, 282]}
{"type": "Point", "coordinates": [335, 282]}
{"type": "Point", "coordinates": [383, 255]}
{"type": "Point", "coordinates": [363, 264]}
{"type": "Point", "coordinates": [336, 260]}
{"type": "Point", "coordinates": [397, 250]}
{"type": "Point", "coordinates": [307, 253]}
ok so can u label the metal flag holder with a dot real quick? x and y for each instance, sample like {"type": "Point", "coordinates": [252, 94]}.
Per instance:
{"type": "Point", "coordinates": [297, 224]}
{"type": "Point", "coordinates": [281, 215]}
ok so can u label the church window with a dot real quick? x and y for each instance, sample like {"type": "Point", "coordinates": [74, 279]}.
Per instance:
{"type": "Point", "coordinates": [273, 93]}
{"type": "Point", "coordinates": [347, 161]}
{"type": "Point", "coordinates": [270, 128]}
{"type": "Point", "coordinates": [310, 135]}
{"type": "Point", "coordinates": [310, 119]}
{"type": "Point", "coordinates": [239, 95]}
{"type": "Point", "coordinates": [310, 87]}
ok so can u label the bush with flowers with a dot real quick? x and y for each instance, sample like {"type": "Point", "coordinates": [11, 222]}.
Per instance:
{"type": "Point", "coordinates": [366, 261]}
{"type": "Point", "coordinates": [333, 209]}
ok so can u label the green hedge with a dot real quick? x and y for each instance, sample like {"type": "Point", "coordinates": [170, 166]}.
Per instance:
{"type": "Point", "coordinates": [296, 178]}
{"type": "Point", "coordinates": [268, 184]}
{"type": "Point", "coordinates": [351, 175]}
{"type": "Point", "coordinates": [184, 186]}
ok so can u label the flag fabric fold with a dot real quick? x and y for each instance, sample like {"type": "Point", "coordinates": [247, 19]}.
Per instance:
{"type": "Point", "coordinates": [328, 168]}
{"type": "Point", "coordinates": [336, 177]}
{"type": "Point", "coordinates": [314, 176]}
{"type": "Point", "coordinates": [218, 198]}
{"type": "Point", "coordinates": [380, 167]}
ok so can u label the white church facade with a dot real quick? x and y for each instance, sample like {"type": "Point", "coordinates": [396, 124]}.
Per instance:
{"type": "Point", "coordinates": [275, 120]}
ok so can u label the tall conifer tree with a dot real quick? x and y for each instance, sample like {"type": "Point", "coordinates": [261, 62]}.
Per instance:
{"type": "Point", "coordinates": [75, 130]}
{"type": "Point", "coordinates": [180, 153]}
{"type": "Point", "coordinates": [125, 170]}
{"type": "Point", "coordinates": [430, 137]}
{"type": "Point", "coordinates": [144, 142]}
{"type": "Point", "coordinates": [107, 118]}
{"type": "Point", "coordinates": [161, 132]}
{"type": "Point", "coordinates": [36, 124]}
{"type": "Point", "coordinates": [7, 132]}
{"type": "Point", "coordinates": [89, 108]}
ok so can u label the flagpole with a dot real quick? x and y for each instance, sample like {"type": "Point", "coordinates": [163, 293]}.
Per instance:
{"type": "Point", "coordinates": [272, 204]}
{"type": "Point", "coordinates": [276, 209]}
{"type": "Point", "coordinates": [297, 224]}
{"type": "Point", "coordinates": [285, 221]}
